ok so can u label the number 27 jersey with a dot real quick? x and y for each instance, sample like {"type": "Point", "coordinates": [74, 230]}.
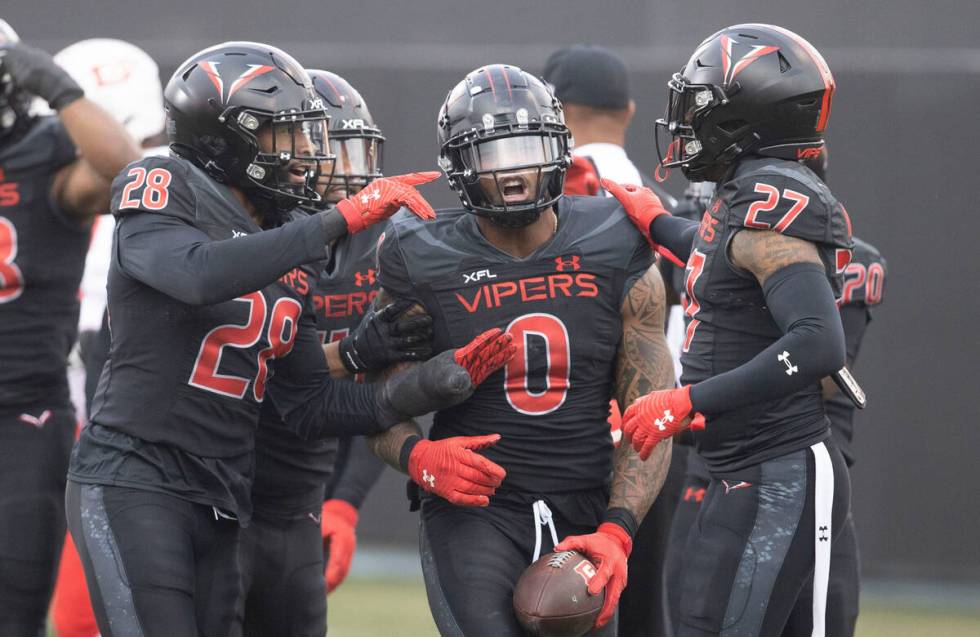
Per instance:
{"type": "Point", "coordinates": [562, 305]}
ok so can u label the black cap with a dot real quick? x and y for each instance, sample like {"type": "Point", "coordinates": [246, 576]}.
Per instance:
{"type": "Point", "coordinates": [588, 75]}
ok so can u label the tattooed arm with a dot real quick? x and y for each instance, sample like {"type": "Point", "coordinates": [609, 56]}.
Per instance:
{"type": "Point", "coordinates": [644, 364]}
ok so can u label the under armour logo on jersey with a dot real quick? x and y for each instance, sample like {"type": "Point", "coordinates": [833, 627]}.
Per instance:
{"type": "Point", "coordinates": [730, 66]}
{"type": "Point", "coordinates": [367, 197]}
{"type": "Point", "coordinates": [36, 421]}
{"type": "Point", "coordinates": [571, 262]}
{"type": "Point", "coordinates": [366, 277]}
{"type": "Point", "coordinates": [429, 479]}
{"type": "Point", "coordinates": [732, 487]}
{"type": "Point", "coordinates": [823, 534]}
{"type": "Point", "coordinates": [790, 367]}
{"type": "Point", "coordinates": [661, 423]}
{"type": "Point", "coordinates": [253, 71]}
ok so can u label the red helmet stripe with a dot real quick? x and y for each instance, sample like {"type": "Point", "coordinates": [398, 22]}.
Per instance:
{"type": "Point", "coordinates": [510, 93]}
{"type": "Point", "coordinates": [326, 79]}
{"type": "Point", "coordinates": [211, 68]}
{"type": "Point", "coordinates": [246, 77]}
{"type": "Point", "coordinates": [493, 89]}
{"type": "Point", "coordinates": [828, 78]}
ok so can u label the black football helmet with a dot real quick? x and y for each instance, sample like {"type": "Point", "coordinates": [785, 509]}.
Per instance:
{"type": "Point", "coordinates": [749, 89]}
{"type": "Point", "coordinates": [225, 100]}
{"type": "Point", "coordinates": [354, 138]}
{"type": "Point", "coordinates": [504, 144]}
{"type": "Point", "coordinates": [15, 104]}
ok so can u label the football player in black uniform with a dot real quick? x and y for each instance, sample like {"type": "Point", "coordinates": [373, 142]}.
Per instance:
{"type": "Point", "coordinates": [282, 551]}
{"type": "Point", "coordinates": [573, 282]}
{"type": "Point", "coordinates": [208, 313]}
{"type": "Point", "coordinates": [763, 272]}
{"type": "Point", "coordinates": [55, 173]}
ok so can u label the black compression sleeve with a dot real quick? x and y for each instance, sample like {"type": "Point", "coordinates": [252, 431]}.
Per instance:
{"type": "Point", "coordinates": [855, 318]}
{"type": "Point", "coordinates": [802, 304]}
{"type": "Point", "coordinates": [181, 261]}
{"type": "Point", "coordinates": [361, 470]}
{"type": "Point", "coordinates": [674, 233]}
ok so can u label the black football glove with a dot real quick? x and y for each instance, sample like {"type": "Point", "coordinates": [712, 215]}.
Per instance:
{"type": "Point", "coordinates": [34, 71]}
{"type": "Point", "coordinates": [385, 337]}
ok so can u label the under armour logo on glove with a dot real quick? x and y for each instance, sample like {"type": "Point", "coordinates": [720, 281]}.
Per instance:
{"type": "Point", "coordinates": [368, 197]}
{"type": "Point", "coordinates": [466, 478]}
{"type": "Point", "coordinates": [428, 478]}
{"type": "Point", "coordinates": [790, 367]}
{"type": "Point", "coordinates": [384, 197]}
{"type": "Point", "coordinates": [658, 416]}
{"type": "Point", "coordinates": [661, 422]}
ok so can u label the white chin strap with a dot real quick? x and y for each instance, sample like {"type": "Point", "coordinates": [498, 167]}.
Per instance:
{"type": "Point", "coordinates": [542, 517]}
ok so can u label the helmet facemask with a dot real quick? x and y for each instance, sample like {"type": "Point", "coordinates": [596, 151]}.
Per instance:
{"type": "Point", "coordinates": [291, 153]}
{"type": "Point", "coordinates": [359, 161]}
{"type": "Point", "coordinates": [689, 106]}
{"type": "Point", "coordinates": [508, 175]}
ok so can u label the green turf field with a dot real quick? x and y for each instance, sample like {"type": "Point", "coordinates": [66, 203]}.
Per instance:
{"type": "Point", "coordinates": [375, 608]}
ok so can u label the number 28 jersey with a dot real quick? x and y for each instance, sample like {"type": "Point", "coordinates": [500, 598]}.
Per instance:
{"type": "Point", "coordinates": [728, 322]}
{"type": "Point", "coordinates": [562, 305]}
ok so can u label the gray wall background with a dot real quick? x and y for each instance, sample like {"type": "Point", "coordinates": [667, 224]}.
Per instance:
{"type": "Point", "coordinates": [904, 138]}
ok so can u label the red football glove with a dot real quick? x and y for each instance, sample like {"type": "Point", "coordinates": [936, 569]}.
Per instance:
{"type": "Point", "coordinates": [642, 206]}
{"type": "Point", "coordinates": [581, 177]}
{"type": "Point", "coordinates": [384, 197]}
{"type": "Point", "coordinates": [609, 549]}
{"type": "Point", "coordinates": [338, 524]}
{"type": "Point", "coordinates": [485, 354]}
{"type": "Point", "coordinates": [658, 416]}
{"type": "Point", "coordinates": [450, 469]}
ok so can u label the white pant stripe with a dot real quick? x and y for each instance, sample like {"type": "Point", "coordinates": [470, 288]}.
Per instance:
{"type": "Point", "coordinates": [823, 504]}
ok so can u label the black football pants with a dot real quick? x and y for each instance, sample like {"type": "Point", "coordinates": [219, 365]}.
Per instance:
{"type": "Point", "coordinates": [472, 557]}
{"type": "Point", "coordinates": [35, 443]}
{"type": "Point", "coordinates": [756, 558]}
{"type": "Point", "coordinates": [282, 565]}
{"type": "Point", "coordinates": [155, 564]}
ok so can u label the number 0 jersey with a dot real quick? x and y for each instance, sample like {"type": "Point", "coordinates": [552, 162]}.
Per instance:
{"type": "Point", "coordinates": [561, 303]}
{"type": "Point", "coordinates": [728, 321]}
{"type": "Point", "coordinates": [42, 253]}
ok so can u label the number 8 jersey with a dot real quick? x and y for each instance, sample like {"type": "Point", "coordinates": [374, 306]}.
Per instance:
{"type": "Point", "coordinates": [561, 303]}
{"type": "Point", "coordinates": [727, 321]}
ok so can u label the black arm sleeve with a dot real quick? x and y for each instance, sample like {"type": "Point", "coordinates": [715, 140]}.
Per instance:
{"type": "Point", "coordinates": [181, 261]}
{"type": "Point", "coordinates": [674, 233]}
{"type": "Point", "coordinates": [359, 471]}
{"type": "Point", "coordinates": [855, 318]}
{"type": "Point", "coordinates": [802, 304]}
{"type": "Point", "coordinates": [311, 403]}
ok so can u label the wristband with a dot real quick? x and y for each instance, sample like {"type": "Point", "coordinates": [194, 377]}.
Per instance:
{"type": "Point", "coordinates": [624, 518]}
{"type": "Point", "coordinates": [406, 452]}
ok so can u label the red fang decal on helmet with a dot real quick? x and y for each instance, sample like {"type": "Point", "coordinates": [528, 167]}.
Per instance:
{"type": "Point", "coordinates": [254, 70]}
{"type": "Point", "coordinates": [586, 570]}
{"type": "Point", "coordinates": [731, 67]}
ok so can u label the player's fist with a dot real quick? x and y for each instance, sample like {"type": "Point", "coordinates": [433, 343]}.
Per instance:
{"type": "Point", "coordinates": [35, 71]}
{"type": "Point", "coordinates": [338, 524]}
{"type": "Point", "coordinates": [384, 197]}
{"type": "Point", "coordinates": [658, 416]}
{"type": "Point", "coordinates": [450, 468]}
{"type": "Point", "coordinates": [609, 549]}
{"type": "Point", "coordinates": [387, 336]}
{"type": "Point", "coordinates": [581, 177]}
{"type": "Point", "coordinates": [485, 354]}
{"type": "Point", "coordinates": [642, 206]}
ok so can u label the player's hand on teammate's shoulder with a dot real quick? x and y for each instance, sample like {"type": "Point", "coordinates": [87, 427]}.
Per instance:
{"type": "Point", "coordinates": [384, 197]}
{"type": "Point", "coordinates": [658, 416]}
{"type": "Point", "coordinates": [451, 468]}
{"type": "Point", "coordinates": [643, 207]}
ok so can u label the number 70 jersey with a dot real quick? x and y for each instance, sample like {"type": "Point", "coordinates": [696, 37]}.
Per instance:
{"type": "Point", "coordinates": [562, 305]}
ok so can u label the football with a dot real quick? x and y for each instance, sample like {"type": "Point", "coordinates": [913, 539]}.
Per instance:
{"type": "Point", "coordinates": [551, 598]}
